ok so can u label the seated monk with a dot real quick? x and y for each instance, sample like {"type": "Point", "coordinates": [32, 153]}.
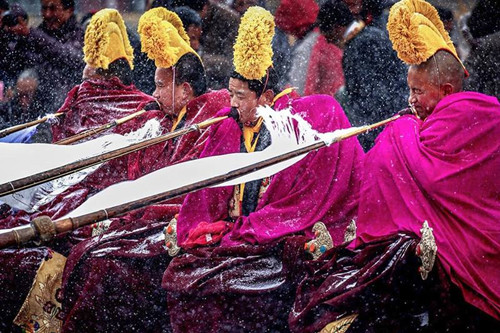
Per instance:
{"type": "Point", "coordinates": [119, 272]}
{"type": "Point", "coordinates": [193, 104]}
{"type": "Point", "coordinates": [440, 167]}
{"type": "Point", "coordinates": [111, 59]}
{"type": "Point", "coordinates": [244, 244]}
{"type": "Point", "coordinates": [106, 94]}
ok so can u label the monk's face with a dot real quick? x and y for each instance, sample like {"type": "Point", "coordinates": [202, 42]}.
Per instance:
{"type": "Point", "coordinates": [169, 96]}
{"type": "Point", "coordinates": [244, 100]}
{"type": "Point", "coordinates": [424, 92]}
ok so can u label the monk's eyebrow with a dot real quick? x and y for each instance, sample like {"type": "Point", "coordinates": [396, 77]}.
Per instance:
{"type": "Point", "coordinates": [238, 92]}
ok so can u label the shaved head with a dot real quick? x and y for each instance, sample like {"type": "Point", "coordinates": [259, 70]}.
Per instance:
{"type": "Point", "coordinates": [443, 68]}
{"type": "Point", "coordinates": [441, 75]}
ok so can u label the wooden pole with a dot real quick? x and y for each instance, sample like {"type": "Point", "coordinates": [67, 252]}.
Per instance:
{"type": "Point", "coordinates": [97, 130]}
{"type": "Point", "coordinates": [45, 229]}
{"type": "Point", "coordinates": [13, 129]}
{"type": "Point", "coordinates": [42, 177]}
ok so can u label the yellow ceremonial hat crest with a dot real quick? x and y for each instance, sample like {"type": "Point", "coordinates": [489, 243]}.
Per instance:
{"type": "Point", "coordinates": [253, 51]}
{"type": "Point", "coordinates": [163, 37]}
{"type": "Point", "coordinates": [106, 40]}
{"type": "Point", "coordinates": [417, 32]}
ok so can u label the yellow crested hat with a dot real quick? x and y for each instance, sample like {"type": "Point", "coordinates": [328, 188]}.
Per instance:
{"type": "Point", "coordinates": [417, 32]}
{"type": "Point", "coordinates": [253, 53]}
{"type": "Point", "coordinates": [163, 37]}
{"type": "Point", "coordinates": [106, 40]}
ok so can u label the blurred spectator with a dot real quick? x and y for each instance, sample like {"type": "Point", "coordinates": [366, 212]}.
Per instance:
{"type": "Point", "coordinates": [356, 8]}
{"type": "Point", "coordinates": [192, 24]}
{"type": "Point", "coordinates": [22, 107]}
{"type": "Point", "coordinates": [484, 19]}
{"type": "Point", "coordinates": [376, 13]}
{"type": "Point", "coordinates": [168, 4]}
{"type": "Point", "coordinates": [220, 27]}
{"type": "Point", "coordinates": [484, 57]}
{"type": "Point", "coordinates": [446, 17]}
{"type": "Point", "coordinates": [4, 6]}
{"type": "Point", "coordinates": [375, 79]}
{"type": "Point", "coordinates": [241, 6]}
{"type": "Point", "coordinates": [59, 39]}
{"type": "Point", "coordinates": [448, 20]}
{"type": "Point", "coordinates": [54, 48]}
{"type": "Point", "coordinates": [324, 74]}
{"type": "Point", "coordinates": [282, 55]}
{"type": "Point", "coordinates": [16, 53]}
{"type": "Point", "coordinates": [296, 18]}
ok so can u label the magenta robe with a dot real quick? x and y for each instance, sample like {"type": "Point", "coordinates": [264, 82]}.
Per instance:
{"type": "Point", "coordinates": [321, 187]}
{"type": "Point", "coordinates": [112, 282]}
{"type": "Point", "coordinates": [445, 170]}
{"type": "Point", "coordinates": [247, 283]}
{"type": "Point", "coordinates": [96, 102]}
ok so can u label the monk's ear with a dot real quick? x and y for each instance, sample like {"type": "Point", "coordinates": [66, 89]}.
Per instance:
{"type": "Point", "coordinates": [266, 98]}
{"type": "Point", "coordinates": [447, 89]}
{"type": "Point", "coordinates": [187, 90]}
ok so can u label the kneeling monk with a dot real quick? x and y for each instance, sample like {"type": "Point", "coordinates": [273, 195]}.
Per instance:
{"type": "Point", "coordinates": [244, 243]}
{"type": "Point", "coordinates": [111, 282]}
{"type": "Point", "coordinates": [440, 167]}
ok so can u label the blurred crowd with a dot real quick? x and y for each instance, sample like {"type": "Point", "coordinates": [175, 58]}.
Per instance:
{"type": "Point", "coordinates": [334, 47]}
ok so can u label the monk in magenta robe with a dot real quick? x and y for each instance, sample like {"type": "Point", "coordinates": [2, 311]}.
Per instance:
{"type": "Point", "coordinates": [127, 261]}
{"type": "Point", "coordinates": [441, 168]}
{"type": "Point", "coordinates": [97, 101]}
{"type": "Point", "coordinates": [200, 106]}
{"type": "Point", "coordinates": [244, 253]}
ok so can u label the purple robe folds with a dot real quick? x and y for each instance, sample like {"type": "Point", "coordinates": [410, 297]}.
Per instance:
{"type": "Point", "coordinates": [96, 102]}
{"type": "Point", "coordinates": [321, 187]}
{"type": "Point", "coordinates": [247, 282]}
{"type": "Point", "coordinates": [112, 282]}
{"type": "Point", "coordinates": [445, 170]}
{"type": "Point", "coordinates": [377, 288]}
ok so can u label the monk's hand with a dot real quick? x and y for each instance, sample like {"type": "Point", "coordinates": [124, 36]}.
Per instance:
{"type": "Point", "coordinates": [205, 234]}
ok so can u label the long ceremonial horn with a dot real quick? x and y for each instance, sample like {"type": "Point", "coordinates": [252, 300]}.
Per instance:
{"type": "Point", "coordinates": [13, 129]}
{"type": "Point", "coordinates": [45, 229]}
{"type": "Point", "coordinates": [42, 177]}
{"type": "Point", "coordinates": [97, 130]}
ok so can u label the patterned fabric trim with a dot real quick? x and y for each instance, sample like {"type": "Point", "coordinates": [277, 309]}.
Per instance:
{"type": "Point", "coordinates": [339, 326]}
{"type": "Point", "coordinates": [100, 227]}
{"type": "Point", "coordinates": [235, 205]}
{"type": "Point", "coordinates": [41, 311]}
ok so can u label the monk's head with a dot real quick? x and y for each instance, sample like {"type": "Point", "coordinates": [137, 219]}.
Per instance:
{"type": "Point", "coordinates": [119, 69]}
{"type": "Point", "coordinates": [247, 95]}
{"type": "Point", "coordinates": [178, 85]}
{"type": "Point", "coordinates": [429, 82]}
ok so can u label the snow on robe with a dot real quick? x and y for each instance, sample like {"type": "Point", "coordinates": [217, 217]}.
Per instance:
{"type": "Point", "coordinates": [445, 170]}
{"type": "Point", "coordinates": [96, 102]}
{"type": "Point", "coordinates": [321, 187]}
{"type": "Point", "coordinates": [127, 261]}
